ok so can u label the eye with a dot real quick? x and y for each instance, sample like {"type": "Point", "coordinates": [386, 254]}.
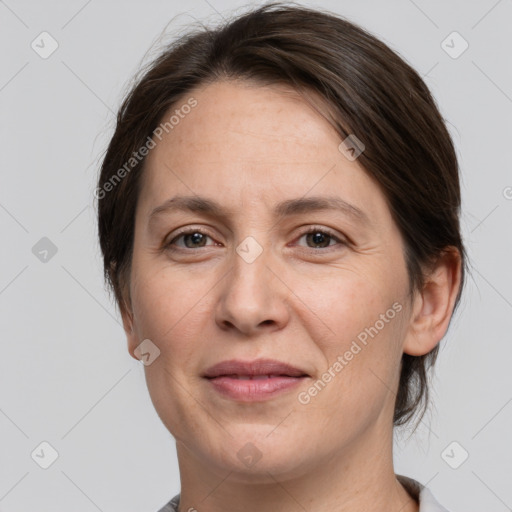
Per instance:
{"type": "Point", "coordinates": [320, 237]}
{"type": "Point", "coordinates": [316, 238]}
{"type": "Point", "coordinates": [192, 239]}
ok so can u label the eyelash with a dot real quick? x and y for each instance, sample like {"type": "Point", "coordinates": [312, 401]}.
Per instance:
{"type": "Point", "coordinates": [313, 229]}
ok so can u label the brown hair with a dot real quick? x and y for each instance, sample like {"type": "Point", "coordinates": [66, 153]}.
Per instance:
{"type": "Point", "coordinates": [370, 91]}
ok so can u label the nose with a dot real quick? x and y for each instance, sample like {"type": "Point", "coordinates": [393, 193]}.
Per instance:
{"type": "Point", "coordinates": [253, 298]}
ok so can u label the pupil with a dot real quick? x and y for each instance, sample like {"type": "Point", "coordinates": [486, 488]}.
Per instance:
{"type": "Point", "coordinates": [196, 238]}
{"type": "Point", "coordinates": [320, 239]}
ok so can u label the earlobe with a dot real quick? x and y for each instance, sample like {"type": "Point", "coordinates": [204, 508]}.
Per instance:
{"type": "Point", "coordinates": [433, 306]}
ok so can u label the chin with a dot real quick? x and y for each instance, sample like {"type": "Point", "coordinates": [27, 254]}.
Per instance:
{"type": "Point", "coordinates": [259, 459]}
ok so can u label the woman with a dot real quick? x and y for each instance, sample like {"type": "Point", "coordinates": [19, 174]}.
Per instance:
{"type": "Point", "coordinates": [279, 220]}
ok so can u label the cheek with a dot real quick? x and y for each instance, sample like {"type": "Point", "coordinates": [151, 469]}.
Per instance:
{"type": "Point", "coordinates": [346, 302]}
{"type": "Point", "coordinates": [173, 316]}
{"type": "Point", "coordinates": [361, 349]}
{"type": "Point", "coordinates": [164, 300]}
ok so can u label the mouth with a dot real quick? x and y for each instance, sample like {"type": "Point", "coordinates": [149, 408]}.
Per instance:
{"type": "Point", "coordinates": [253, 377]}
{"type": "Point", "coordinates": [257, 380]}
{"type": "Point", "coordinates": [255, 368]}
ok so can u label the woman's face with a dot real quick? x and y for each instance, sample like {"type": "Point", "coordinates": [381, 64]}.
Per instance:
{"type": "Point", "coordinates": [248, 282]}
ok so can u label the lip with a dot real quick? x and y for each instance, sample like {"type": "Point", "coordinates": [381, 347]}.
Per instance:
{"type": "Point", "coordinates": [253, 385]}
{"type": "Point", "coordinates": [253, 368]}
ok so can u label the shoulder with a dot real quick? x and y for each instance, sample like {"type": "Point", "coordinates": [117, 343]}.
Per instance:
{"type": "Point", "coordinates": [419, 492]}
{"type": "Point", "coordinates": [428, 503]}
{"type": "Point", "coordinates": [422, 494]}
{"type": "Point", "coordinates": [172, 506]}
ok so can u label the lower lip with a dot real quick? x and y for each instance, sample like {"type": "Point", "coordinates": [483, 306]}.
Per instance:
{"type": "Point", "coordinates": [249, 390]}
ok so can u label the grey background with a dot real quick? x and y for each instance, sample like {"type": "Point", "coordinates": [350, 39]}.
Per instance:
{"type": "Point", "coordinates": [65, 374]}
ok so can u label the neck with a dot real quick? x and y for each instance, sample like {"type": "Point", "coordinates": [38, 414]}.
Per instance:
{"type": "Point", "coordinates": [355, 480]}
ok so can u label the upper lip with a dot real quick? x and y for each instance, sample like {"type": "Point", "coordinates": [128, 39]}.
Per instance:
{"type": "Point", "coordinates": [255, 367]}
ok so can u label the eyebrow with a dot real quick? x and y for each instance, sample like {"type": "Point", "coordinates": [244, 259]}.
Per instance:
{"type": "Point", "coordinates": [287, 208]}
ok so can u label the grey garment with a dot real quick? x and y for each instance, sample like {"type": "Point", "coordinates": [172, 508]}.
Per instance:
{"type": "Point", "coordinates": [418, 491]}
{"type": "Point", "coordinates": [421, 494]}
{"type": "Point", "coordinates": [172, 506]}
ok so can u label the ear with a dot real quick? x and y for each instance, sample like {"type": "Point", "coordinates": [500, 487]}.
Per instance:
{"type": "Point", "coordinates": [433, 306]}
{"type": "Point", "coordinates": [129, 329]}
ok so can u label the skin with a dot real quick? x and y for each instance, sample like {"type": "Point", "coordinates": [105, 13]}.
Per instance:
{"type": "Point", "coordinates": [300, 301]}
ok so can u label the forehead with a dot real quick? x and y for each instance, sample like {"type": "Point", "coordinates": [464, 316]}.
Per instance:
{"type": "Point", "coordinates": [252, 120]}
{"type": "Point", "coordinates": [245, 142]}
